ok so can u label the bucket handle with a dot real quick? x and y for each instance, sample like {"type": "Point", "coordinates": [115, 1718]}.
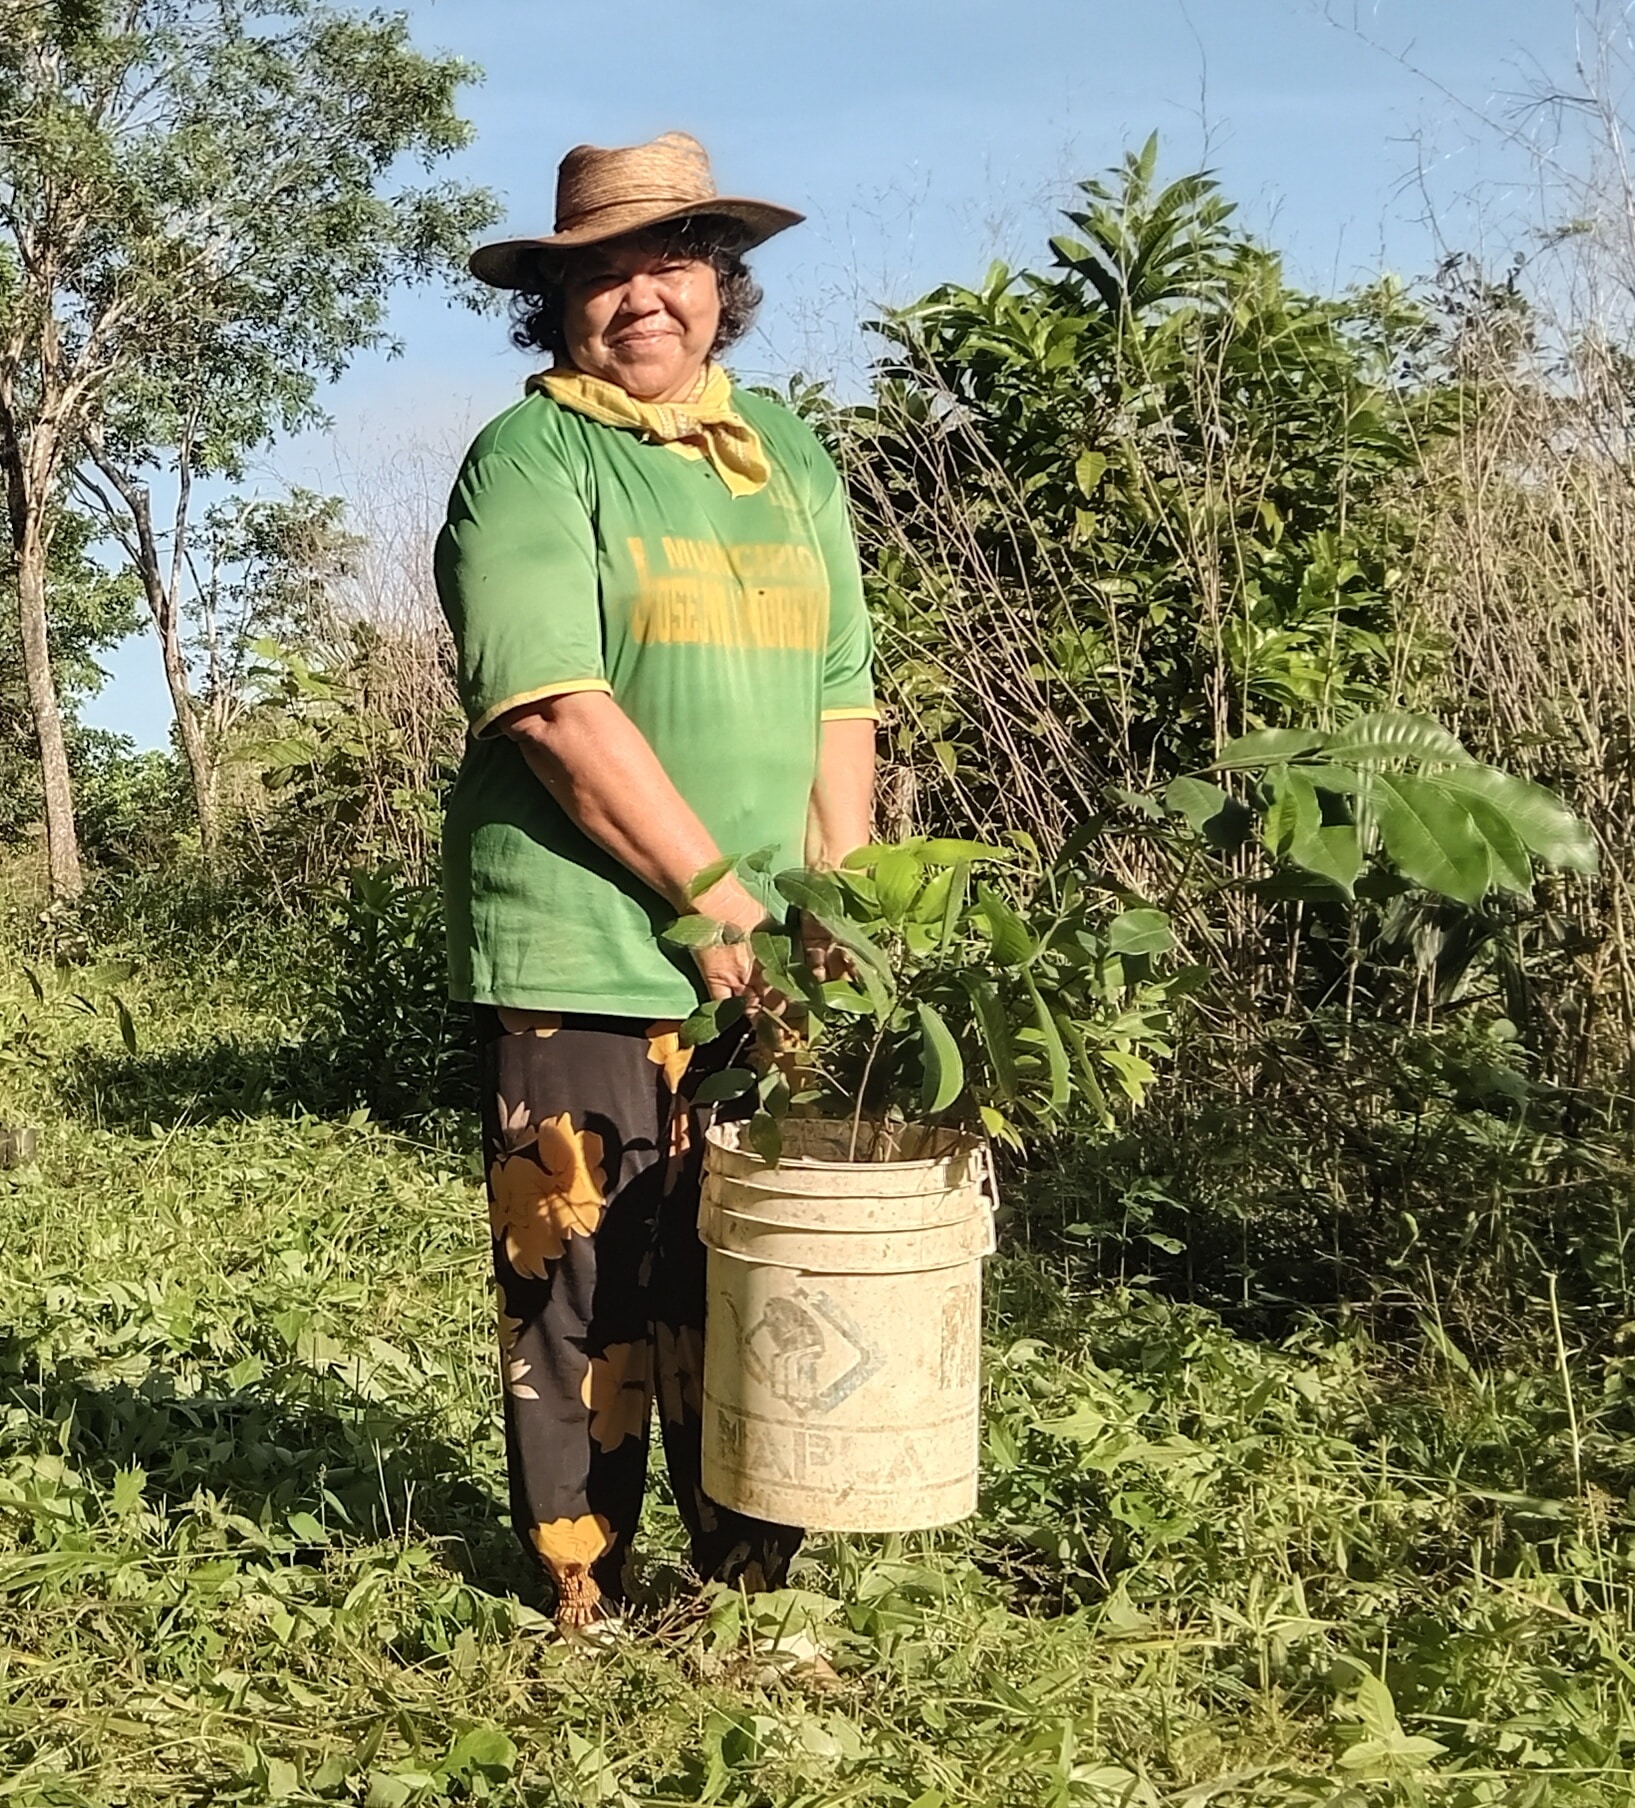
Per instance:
{"type": "Point", "coordinates": [988, 1180]}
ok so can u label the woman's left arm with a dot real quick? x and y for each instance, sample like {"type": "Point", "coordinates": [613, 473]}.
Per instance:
{"type": "Point", "coordinates": [838, 820]}
{"type": "Point", "coordinates": [838, 816]}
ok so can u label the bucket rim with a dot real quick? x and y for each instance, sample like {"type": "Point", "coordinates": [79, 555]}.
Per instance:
{"type": "Point", "coordinates": [805, 1227]}
{"type": "Point", "coordinates": [747, 1184]}
{"type": "Point", "coordinates": [967, 1142]}
{"type": "Point", "coordinates": [787, 1265]}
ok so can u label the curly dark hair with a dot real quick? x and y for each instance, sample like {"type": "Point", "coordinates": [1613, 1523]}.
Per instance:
{"type": "Point", "coordinates": [537, 311]}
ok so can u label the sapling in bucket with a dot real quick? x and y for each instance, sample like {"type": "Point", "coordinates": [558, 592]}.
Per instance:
{"type": "Point", "coordinates": [848, 1217]}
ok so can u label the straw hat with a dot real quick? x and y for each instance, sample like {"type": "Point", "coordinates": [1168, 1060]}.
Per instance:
{"type": "Point", "coordinates": [605, 194]}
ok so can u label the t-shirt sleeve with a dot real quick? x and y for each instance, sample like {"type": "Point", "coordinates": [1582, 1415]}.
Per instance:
{"type": "Point", "coordinates": [516, 575]}
{"type": "Point", "coordinates": [848, 665]}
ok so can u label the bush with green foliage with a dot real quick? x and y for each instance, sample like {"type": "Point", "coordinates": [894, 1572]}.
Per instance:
{"type": "Point", "coordinates": [133, 809]}
{"type": "Point", "coordinates": [1115, 514]}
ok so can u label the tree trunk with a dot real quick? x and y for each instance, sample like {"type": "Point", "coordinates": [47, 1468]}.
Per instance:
{"type": "Point", "coordinates": [61, 840]}
{"type": "Point", "coordinates": [164, 605]}
{"type": "Point", "coordinates": [200, 767]}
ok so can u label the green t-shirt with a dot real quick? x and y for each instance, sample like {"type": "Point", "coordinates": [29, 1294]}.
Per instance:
{"type": "Point", "coordinates": [579, 556]}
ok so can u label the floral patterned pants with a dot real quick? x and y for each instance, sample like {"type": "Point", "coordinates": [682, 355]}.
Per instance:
{"type": "Point", "coordinates": [594, 1158]}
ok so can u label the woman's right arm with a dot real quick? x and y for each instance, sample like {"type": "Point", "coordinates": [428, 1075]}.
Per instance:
{"type": "Point", "coordinates": [597, 765]}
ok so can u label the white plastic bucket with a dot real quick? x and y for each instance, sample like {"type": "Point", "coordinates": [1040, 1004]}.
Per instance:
{"type": "Point", "coordinates": [843, 1330]}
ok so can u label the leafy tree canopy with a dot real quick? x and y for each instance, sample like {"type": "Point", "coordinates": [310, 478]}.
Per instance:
{"type": "Point", "coordinates": [204, 206]}
{"type": "Point", "coordinates": [221, 189]}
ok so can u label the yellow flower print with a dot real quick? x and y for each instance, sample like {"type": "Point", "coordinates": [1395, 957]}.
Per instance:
{"type": "Point", "coordinates": [513, 1370]}
{"type": "Point", "coordinates": [664, 1050]}
{"type": "Point", "coordinates": [536, 1202]}
{"type": "Point", "coordinates": [681, 1363]}
{"type": "Point", "coordinates": [528, 1023]}
{"type": "Point", "coordinates": [565, 1542]}
{"type": "Point", "coordinates": [681, 1140]}
{"type": "Point", "coordinates": [618, 1389]}
{"type": "Point", "coordinates": [569, 1547]}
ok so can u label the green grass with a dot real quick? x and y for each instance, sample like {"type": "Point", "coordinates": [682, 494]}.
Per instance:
{"type": "Point", "coordinates": [252, 1542]}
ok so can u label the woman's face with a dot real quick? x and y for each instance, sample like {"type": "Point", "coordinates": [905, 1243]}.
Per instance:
{"type": "Point", "coordinates": [641, 317]}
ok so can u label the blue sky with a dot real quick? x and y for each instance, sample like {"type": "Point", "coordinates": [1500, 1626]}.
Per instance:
{"type": "Point", "coordinates": [924, 139]}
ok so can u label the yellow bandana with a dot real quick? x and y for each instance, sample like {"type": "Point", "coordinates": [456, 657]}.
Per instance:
{"type": "Point", "coordinates": [704, 426]}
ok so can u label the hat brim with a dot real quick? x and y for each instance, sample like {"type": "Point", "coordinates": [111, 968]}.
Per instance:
{"type": "Point", "coordinates": [509, 263]}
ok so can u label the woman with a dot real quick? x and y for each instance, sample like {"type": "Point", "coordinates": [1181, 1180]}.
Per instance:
{"type": "Point", "coordinates": [664, 656]}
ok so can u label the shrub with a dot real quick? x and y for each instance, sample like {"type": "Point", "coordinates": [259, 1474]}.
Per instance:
{"type": "Point", "coordinates": [378, 991]}
{"type": "Point", "coordinates": [132, 809]}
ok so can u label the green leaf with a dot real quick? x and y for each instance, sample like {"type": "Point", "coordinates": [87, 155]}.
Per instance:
{"type": "Point", "coordinates": [774, 953]}
{"type": "Point", "coordinates": [1294, 813]}
{"type": "Point", "coordinates": [953, 906]}
{"type": "Point", "coordinates": [944, 1072]}
{"type": "Point", "coordinates": [1393, 734]}
{"type": "Point", "coordinates": [1333, 852]}
{"type": "Point", "coordinates": [1088, 470]}
{"type": "Point", "coordinates": [897, 877]}
{"type": "Point", "coordinates": [283, 1779]}
{"type": "Point", "coordinates": [933, 898]}
{"type": "Point", "coordinates": [694, 931]}
{"type": "Point", "coordinates": [127, 1026]}
{"type": "Point", "coordinates": [1375, 1708]}
{"type": "Point", "coordinates": [1268, 746]}
{"type": "Point", "coordinates": [765, 1136]}
{"type": "Point", "coordinates": [711, 1019]}
{"type": "Point", "coordinates": [772, 1089]}
{"type": "Point", "coordinates": [387, 1791]}
{"type": "Point", "coordinates": [1061, 1079]}
{"type": "Point", "coordinates": [1073, 1037]}
{"type": "Point", "coordinates": [128, 1488]}
{"type": "Point", "coordinates": [1134, 1073]}
{"type": "Point", "coordinates": [1214, 814]}
{"type": "Point", "coordinates": [1541, 821]}
{"type": "Point", "coordinates": [730, 1083]}
{"type": "Point", "coordinates": [1340, 779]}
{"type": "Point", "coordinates": [1002, 1130]}
{"type": "Point", "coordinates": [712, 874]}
{"type": "Point", "coordinates": [1140, 932]}
{"type": "Point", "coordinates": [994, 1028]}
{"type": "Point", "coordinates": [1013, 945]}
{"type": "Point", "coordinates": [808, 889]}
{"type": "Point", "coordinates": [820, 895]}
{"type": "Point", "coordinates": [1432, 838]}
{"type": "Point", "coordinates": [1512, 870]}
{"type": "Point", "coordinates": [485, 1749]}
{"type": "Point", "coordinates": [944, 851]}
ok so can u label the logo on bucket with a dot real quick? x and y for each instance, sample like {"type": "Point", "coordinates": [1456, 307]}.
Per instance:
{"type": "Point", "coordinates": [806, 1351]}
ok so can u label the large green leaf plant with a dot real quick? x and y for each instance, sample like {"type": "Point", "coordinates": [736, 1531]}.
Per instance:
{"type": "Point", "coordinates": [995, 990]}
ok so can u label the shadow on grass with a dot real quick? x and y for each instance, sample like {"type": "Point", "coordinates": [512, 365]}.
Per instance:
{"type": "Point", "coordinates": [288, 1442]}
{"type": "Point", "coordinates": [231, 1077]}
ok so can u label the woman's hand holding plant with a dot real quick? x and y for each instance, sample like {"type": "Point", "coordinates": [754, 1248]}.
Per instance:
{"type": "Point", "coordinates": [729, 967]}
